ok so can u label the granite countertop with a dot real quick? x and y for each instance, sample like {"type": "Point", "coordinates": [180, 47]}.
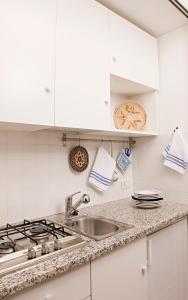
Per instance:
{"type": "Point", "coordinates": [145, 222]}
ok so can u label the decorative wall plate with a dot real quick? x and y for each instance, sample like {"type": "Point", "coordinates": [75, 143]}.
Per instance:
{"type": "Point", "coordinates": [130, 115]}
{"type": "Point", "coordinates": [79, 158]}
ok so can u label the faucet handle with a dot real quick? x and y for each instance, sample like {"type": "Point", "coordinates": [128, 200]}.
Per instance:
{"type": "Point", "coordinates": [86, 198]}
{"type": "Point", "coordinates": [72, 195]}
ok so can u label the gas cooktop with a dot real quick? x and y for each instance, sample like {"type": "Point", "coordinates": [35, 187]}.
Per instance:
{"type": "Point", "coordinates": [28, 241]}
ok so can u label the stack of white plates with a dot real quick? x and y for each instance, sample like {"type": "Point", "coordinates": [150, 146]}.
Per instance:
{"type": "Point", "coordinates": [147, 198]}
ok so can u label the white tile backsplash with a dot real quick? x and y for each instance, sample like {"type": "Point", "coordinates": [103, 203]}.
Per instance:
{"type": "Point", "coordinates": [35, 176]}
{"type": "Point", "coordinates": [149, 172]}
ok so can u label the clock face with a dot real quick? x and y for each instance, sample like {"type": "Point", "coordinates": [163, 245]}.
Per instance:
{"type": "Point", "coordinates": [130, 116]}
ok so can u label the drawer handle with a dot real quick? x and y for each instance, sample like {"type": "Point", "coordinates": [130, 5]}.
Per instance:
{"type": "Point", "coordinates": [144, 269]}
{"type": "Point", "coordinates": [149, 253]}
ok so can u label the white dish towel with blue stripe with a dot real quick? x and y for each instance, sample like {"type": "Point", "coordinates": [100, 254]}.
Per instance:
{"type": "Point", "coordinates": [176, 153]}
{"type": "Point", "coordinates": [101, 174]}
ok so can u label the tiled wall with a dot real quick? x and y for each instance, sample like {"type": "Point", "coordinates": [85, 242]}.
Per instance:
{"type": "Point", "coordinates": [148, 169]}
{"type": "Point", "coordinates": [35, 176]}
{"type": "Point", "coordinates": [149, 172]}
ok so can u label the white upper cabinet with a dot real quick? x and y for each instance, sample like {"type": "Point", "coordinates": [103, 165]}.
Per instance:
{"type": "Point", "coordinates": [60, 59]}
{"type": "Point", "coordinates": [27, 35]}
{"type": "Point", "coordinates": [133, 52]}
{"type": "Point", "coordinates": [82, 90]}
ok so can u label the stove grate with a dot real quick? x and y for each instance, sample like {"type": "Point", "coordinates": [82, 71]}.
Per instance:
{"type": "Point", "coordinates": [24, 230]}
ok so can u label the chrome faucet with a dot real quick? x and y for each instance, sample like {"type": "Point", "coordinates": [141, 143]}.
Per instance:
{"type": "Point", "coordinates": [70, 209]}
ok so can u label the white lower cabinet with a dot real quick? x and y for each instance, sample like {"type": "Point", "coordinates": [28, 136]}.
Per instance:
{"type": "Point", "coordinates": [167, 263]}
{"type": "Point", "coordinates": [125, 275]}
{"type": "Point", "coordinates": [152, 268]}
{"type": "Point", "coordinates": [121, 274]}
{"type": "Point", "coordinates": [74, 285]}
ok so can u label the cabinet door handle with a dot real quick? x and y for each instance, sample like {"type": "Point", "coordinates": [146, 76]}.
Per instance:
{"type": "Point", "coordinates": [143, 269]}
{"type": "Point", "coordinates": [114, 59]}
{"type": "Point", "coordinates": [106, 102]}
{"type": "Point", "coordinates": [47, 90]}
{"type": "Point", "coordinates": [149, 253]}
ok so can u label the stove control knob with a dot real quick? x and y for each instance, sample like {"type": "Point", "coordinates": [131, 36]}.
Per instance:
{"type": "Point", "coordinates": [31, 253]}
{"type": "Point", "coordinates": [51, 246]}
{"type": "Point", "coordinates": [45, 249]}
{"type": "Point", "coordinates": [57, 245]}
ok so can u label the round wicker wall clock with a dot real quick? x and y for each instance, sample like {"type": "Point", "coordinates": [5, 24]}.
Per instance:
{"type": "Point", "coordinates": [79, 158]}
{"type": "Point", "coordinates": [130, 115]}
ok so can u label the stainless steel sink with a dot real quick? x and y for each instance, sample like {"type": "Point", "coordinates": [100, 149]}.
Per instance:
{"type": "Point", "coordinates": [96, 228]}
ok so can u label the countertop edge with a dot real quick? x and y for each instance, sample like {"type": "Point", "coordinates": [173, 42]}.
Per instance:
{"type": "Point", "coordinates": [20, 280]}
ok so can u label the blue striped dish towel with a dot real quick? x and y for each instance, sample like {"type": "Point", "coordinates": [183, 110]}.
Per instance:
{"type": "Point", "coordinates": [103, 169]}
{"type": "Point", "coordinates": [176, 153]}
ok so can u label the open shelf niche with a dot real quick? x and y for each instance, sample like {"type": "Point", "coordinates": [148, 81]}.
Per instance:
{"type": "Point", "coordinates": [122, 90]}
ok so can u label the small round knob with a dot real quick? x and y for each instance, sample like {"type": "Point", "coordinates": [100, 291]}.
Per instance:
{"type": "Point", "coordinates": [57, 245]}
{"type": "Point", "coordinates": [114, 59]}
{"type": "Point", "coordinates": [143, 269]}
{"type": "Point", "coordinates": [31, 253]}
{"type": "Point", "coordinates": [86, 198]}
{"type": "Point", "coordinates": [47, 90]}
{"type": "Point", "coordinates": [45, 249]}
{"type": "Point", "coordinates": [106, 102]}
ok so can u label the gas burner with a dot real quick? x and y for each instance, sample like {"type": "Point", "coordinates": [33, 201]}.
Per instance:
{"type": "Point", "coordinates": [39, 232]}
{"type": "Point", "coordinates": [23, 242]}
{"type": "Point", "coordinates": [7, 247]}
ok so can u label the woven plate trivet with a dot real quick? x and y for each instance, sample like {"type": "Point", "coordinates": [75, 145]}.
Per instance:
{"type": "Point", "coordinates": [79, 158]}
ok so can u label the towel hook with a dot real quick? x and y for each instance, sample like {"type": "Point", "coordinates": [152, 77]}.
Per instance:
{"type": "Point", "coordinates": [111, 149]}
{"type": "Point", "coordinates": [101, 142]}
{"type": "Point", "coordinates": [132, 142]}
{"type": "Point", "coordinates": [64, 139]}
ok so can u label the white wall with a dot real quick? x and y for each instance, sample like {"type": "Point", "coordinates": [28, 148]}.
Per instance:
{"type": "Point", "coordinates": [148, 170]}
{"type": "Point", "coordinates": [35, 176]}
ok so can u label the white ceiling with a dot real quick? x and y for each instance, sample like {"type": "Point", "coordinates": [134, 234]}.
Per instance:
{"type": "Point", "coordinates": [154, 16]}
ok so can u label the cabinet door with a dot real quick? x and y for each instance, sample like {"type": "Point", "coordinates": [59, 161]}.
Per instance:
{"type": "Point", "coordinates": [74, 285]}
{"type": "Point", "coordinates": [82, 65]}
{"type": "Point", "coordinates": [167, 273]}
{"type": "Point", "coordinates": [133, 52]}
{"type": "Point", "coordinates": [27, 59]}
{"type": "Point", "coordinates": [121, 274]}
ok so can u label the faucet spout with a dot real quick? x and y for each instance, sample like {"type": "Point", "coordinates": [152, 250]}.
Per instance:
{"type": "Point", "coordinates": [71, 209]}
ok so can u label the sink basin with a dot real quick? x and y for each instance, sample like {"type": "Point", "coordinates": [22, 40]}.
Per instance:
{"type": "Point", "coordinates": [96, 228]}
